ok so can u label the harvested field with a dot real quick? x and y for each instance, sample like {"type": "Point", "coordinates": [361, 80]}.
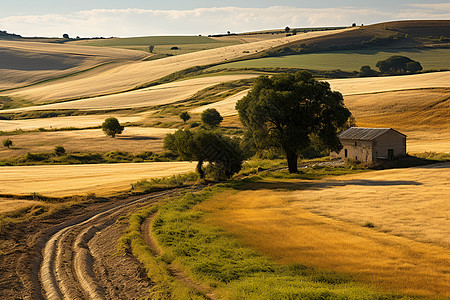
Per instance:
{"type": "Point", "coordinates": [132, 75]}
{"type": "Point", "coordinates": [63, 122]}
{"type": "Point", "coordinates": [133, 139]}
{"type": "Point", "coordinates": [390, 83]}
{"type": "Point", "coordinates": [225, 107]}
{"type": "Point", "coordinates": [7, 205]}
{"type": "Point", "coordinates": [66, 180]}
{"type": "Point", "coordinates": [23, 63]}
{"type": "Point", "coordinates": [157, 95]}
{"type": "Point", "coordinates": [321, 224]}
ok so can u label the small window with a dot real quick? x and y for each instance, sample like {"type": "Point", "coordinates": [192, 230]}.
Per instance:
{"type": "Point", "coordinates": [345, 152]}
{"type": "Point", "coordinates": [356, 144]}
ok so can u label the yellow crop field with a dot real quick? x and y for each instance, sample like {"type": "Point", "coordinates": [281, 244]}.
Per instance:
{"type": "Point", "coordinates": [364, 85]}
{"type": "Point", "coordinates": [7, 205]}
{"type": "Point", "coordinates": [133, 139]}
{"type": "Point", "coordinates": [67, 180]}
{"type": "Point", "coordinates": [156, 95]}
{"type": "Point", "coordinates": [24, 63]}
{"type": "Point", "coordinates": [320, 224]}
{"type": "Point", "coordinates": [131, 75]}
{"type": "Point", "coordinates": [225, 107]}
{"type": "Point", "coordinates": [63, 122]}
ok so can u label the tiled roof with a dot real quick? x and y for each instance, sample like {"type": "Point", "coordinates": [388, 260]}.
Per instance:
{"type": "Point", "coordinates": [365, 134]}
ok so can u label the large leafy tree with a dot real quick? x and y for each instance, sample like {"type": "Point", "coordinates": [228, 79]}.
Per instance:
{"type": "Point", "coordinates": [398, 64]}
{"type": "Point", "coordinates": [111, 127]}
{"type": "Point", "coordinates": [287, 110]}
{"type": "Point", "coordinates": [206, 146]}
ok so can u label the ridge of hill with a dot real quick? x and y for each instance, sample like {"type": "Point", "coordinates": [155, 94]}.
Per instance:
{"type": "Point", "coordinates": [396, 34]}
{"type": "Point", "coordinates": [6, 35]}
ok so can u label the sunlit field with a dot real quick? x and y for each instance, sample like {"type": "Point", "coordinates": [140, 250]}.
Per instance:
{"type": "Point", "coordinates": [7, 205]}
{"type": "Point", "coordinates": [67, 180]}
{"type": "Point", "coordinates": [388, 228]}
{"type": "Point", "coordinates": [350, 60]}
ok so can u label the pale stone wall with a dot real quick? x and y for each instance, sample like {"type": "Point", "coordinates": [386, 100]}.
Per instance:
{"type": "Point", "coordinates": [389, 140]}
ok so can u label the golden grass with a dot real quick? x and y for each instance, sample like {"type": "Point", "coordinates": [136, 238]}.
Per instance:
{"type": "Point", "coordinates": [7, 205]}
{"type": "Point", "coordinates": [133, 139]}
{"type": "Point", "coordinates": [349, 86]}
{"type": "Point", "coordinates": [67, 180]}
{"type": "Point", "coordinates": [225, 107]}
{"type": "Point", "coordinates": [156, 95]}
{"type": "Point", "coordinates": [319, 224]}
{"type": "Point", "coordinates": [64, 122]}
{"type": "Point", "coordinates": [29, 62]}
{"type": "Point", "coordinates": [131, 75]}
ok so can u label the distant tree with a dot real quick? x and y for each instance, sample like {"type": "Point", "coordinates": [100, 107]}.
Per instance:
{"type": "Point", "coordinates": [354, 25]}
{"type": "Point", "coordinates": [65, 35]}
{"type": "Point", "coordinates": [59, 150]}
{"type": "Point", "coordinates": [367, 71]}
{"type": "Point", "coordinates": [398, 64]}
{"type": "Point", "coordinates": [206, 146]}
{"type": "Point", "coordinates": [294, 32]}
{"type": "Point", "coordinates": [7, 143]}
{"type": "Point", "coordinates": [211, 117]}
{"type": "Point", "coordinates": [185, 116]}
{"type": "Point", "coordinates": [229, 32]}
{"type": "Point", "coordinates": [111, 127]}
{"type": "Point", "coordinates": [151, 48]}
{"type": "Point", "coordinates": [287, 29]}
{"type": "Point", "coordinates": [285, 111]}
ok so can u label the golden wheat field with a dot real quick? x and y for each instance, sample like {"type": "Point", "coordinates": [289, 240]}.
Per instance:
{"type": "Point", "coordinates": [67, 180]}
{"type": "Point", "coordinates": [64, 122]}
{"type": "Point", "coordinates": [127, 76]}
{"type": "Point", "coordinates": [225, 107]}
{"type": "Point", "coordinates": [133, 139]}
{"type": "Point", "coordinates": [320, 224]}
{"type": "Point", "coordinates": [157, 95]}
{"type": "Point", "coordinates": [24, 63]}
{"type": "Point", "coordinates": [7, 205]}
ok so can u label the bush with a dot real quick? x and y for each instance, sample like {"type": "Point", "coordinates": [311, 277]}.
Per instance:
{"type": "Point", "coordinates": [398, 64]}
{"type": "Point", "coordinates": [59, 151]}
{"type": "Point", "coordinates": [7, 143]}
{"type": "Point", "coordinates": [211, 117]}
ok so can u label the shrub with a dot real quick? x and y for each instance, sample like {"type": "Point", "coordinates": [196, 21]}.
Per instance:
{"type": "Point", "coordinates": [211, 117]}
{"type": "Point", "coordinates": [59, 151]}
{"type": "Point", "coordinates": [7, 143]}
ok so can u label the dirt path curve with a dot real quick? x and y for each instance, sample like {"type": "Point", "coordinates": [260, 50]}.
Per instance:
{"type": "Point", "coordinates": [68, 270]}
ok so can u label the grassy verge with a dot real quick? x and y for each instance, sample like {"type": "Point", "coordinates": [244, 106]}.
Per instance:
{"type": "Point", "coordinates": [86, 158]}
{"type": "Point", "coordinates": [236, 272]}
{"type": "Point", "coordinates": [165, 286]}
{"type": "Point", "coordinates": [156, 184]}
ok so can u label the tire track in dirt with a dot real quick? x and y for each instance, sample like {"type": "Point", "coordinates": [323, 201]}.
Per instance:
{"type": "Point", "coordinates": [66, 271]}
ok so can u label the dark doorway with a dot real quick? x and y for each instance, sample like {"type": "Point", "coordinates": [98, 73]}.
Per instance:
{"type": "Point", "coordinates": [390, 154]}
{"type": "Point", "coordinates": [345, 151]}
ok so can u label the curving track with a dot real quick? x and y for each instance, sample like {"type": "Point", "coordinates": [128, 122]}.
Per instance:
{"type": "Point", "coordinates": [67, 271]}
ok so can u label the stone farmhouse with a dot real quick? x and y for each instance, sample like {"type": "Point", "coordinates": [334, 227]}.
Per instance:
{"type": "Point", "coordinates": [371, 144]}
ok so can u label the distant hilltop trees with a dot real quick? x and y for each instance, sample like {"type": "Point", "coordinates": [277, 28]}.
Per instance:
{"type": "Point", "coordinates": [4, 34]}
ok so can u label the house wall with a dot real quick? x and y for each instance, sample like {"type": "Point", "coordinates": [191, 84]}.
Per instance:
{"type": "Point", "coordinates": [356, 150]}
{"type": "Point", "coordinates": [389, 140]}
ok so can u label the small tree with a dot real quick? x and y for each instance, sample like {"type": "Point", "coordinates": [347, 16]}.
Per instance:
{"type": "Point", "coordinates": [206, 146]}
{"type": "Point", "coordinates": [59, 151]}
{"type": "Point", "coordinates": [211, 117]}
{"type": "Point", "coordinates": [287, 29]}
{"type": "Point", "coordinates": [111, 127]}
{"type": "Point", "coordinates": [367, 71]}
{"type": "Point", "coordinates": [7, 143]}
{"type": "Point", "coordinates": [294, 32]}
{"type": "Point", "coordinates": [354, 25]}
{"type": "Point", "coordinates": [65, 35]}
{"type": "Point", "coordinates": [185, 116]}
{"type": "Point", "coordinates": [151, 48]}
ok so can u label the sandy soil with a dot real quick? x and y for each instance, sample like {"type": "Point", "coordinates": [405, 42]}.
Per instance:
{"type": "Point", "coordinates": [157, 95]}
{"type": "Point", "coordinates": [133, 139]}
{"type": "Point", "coordinates": [117, 79]}
{"type": "Point", "coordinates": [320, 224]}
{"type": "Point", "coordinates": [63, 122]}
{"type": "Point", "coordinates": [66, 180]}
{"type": "Point", "coordinates": [23, 63]}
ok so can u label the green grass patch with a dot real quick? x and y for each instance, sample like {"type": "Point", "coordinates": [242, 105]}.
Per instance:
{"type": "Point", "coordinates": [212, 256]}
{"type": "Point", "coordinates": [156, 184]}
{"type": "Point", "coordinates": [86, 158]}
{"type": "Point", "coordinates": [165, 286]}
{"type": "Point", "coordinates": [348, 60]}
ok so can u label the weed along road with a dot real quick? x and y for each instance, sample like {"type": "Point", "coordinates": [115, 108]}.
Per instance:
{"type": "Point", "coordinates": [74, 264]}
